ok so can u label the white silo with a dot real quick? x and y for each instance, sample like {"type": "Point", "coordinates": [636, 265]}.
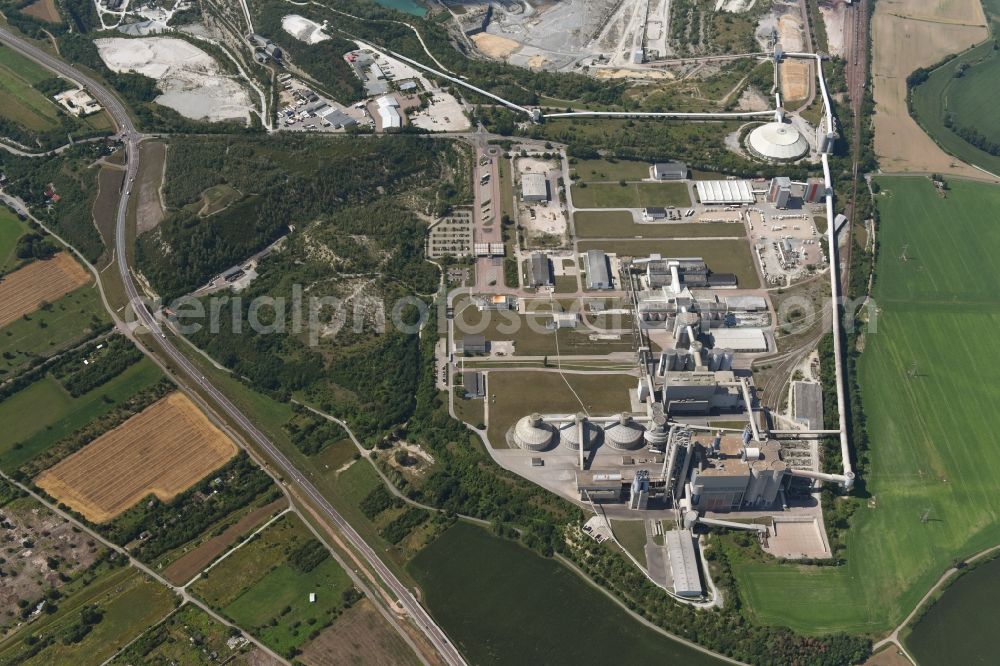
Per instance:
{"type": "Point", "coordinates": [532, 433]}
{"type": "Point", "coordinates": [570, 434]}
{"type": "Point", "coordinates": [625, 434]}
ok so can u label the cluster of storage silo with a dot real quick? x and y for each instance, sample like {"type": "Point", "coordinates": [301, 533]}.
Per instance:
{"type": "Point", "coordinates": [580, 427]}
{"type": "Point", "coordinates": [625, 434]}
{"type": "Point", "coordinates": [720, 359]}
{"type": "Point", "coordinates": [532, 433]}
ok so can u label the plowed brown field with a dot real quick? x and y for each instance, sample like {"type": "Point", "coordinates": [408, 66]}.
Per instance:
{"type": "Point", "coordinates": [164, 450]}
{"type": "Point", "coordinates": [23, 291]}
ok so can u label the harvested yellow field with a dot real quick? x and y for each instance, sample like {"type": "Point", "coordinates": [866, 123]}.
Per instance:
{"type": "Point", "coordinates": [24, 290]}
{"type": "Point", "coordinates": [495, 46]}
{"type": "Point", "coordinates": [164, 450]}
{"type": "Point", "coordinates": [907, 34]}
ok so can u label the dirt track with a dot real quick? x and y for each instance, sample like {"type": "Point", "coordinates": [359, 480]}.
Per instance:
{"type": "Point", "coordinates": [164, 450]}
{"type": "Point", "coordinates": [904, 37]}
{"type": "Point", "coordinates": [24, 290]}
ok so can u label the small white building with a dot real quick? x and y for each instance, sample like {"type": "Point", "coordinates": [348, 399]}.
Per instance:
{"type": "Point", "coordinates": [78, 102]}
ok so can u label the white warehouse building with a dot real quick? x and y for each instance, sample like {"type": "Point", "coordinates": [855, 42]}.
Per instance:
{"type": "Point", "coordinates": [388, 111]}
{"type": "Point", "coordinates": [724, 192]}
{"type": "Point", "coordinates": [534, 187]}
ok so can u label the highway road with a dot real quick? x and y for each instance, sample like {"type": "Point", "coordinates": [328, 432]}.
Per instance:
{"type": "Point", "coordinates": [130, 136]}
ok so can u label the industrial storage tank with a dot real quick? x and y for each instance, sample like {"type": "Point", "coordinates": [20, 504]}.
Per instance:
{"type": "Point", "coordinates": [625, 435]}
{"type": "Point", "coordinates": [532, 433]}
{"type": "Point", "coordinates": [657, 434]}
{"type": "Point", "coordinates": [569, 434]}
{"type": "Point", "coordinates": [777, 141]}
{"type": "Point", "coordinates": [715, 360]}
{"type": "Point", "coordinates": [671, 363]}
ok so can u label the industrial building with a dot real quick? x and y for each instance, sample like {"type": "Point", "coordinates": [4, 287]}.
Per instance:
{"type": "Point", "coordinates": [539, 270]}
{"type": "Point", "coordinates": [654, 213]}
{"type": "Point", "coordinates": [388, 111]}
{"type": "Point", "coordinates": [669, 171]}
{"type": "Point", "coordinates": [815, 191]}
{"type": "Point", "coordinates": [474, 383]}
{"type": "Point", "coordinates": [534, 187]}
{"type": "Point", "coordinates": [683, 563]}
{"type": "Point", "coordinates": [471, 345]}
{"type": "Point", "coordinates": [700, 393]}
{"type": "Point", "coordinates": [779, 192]}
{"type": "Point", "coordinates": [598, 275]}
{"type": "Point", "coordinates": [746, 303]}
{"type": "Point", "coordinates": [690, 273]}
{"type": "Point", "coordinates": [777, 141]}
{"type": "Point", "coordinates": [78, 102]}
{"type": "Point", "coordinates": [730, 475]}
{"type": "Point", "coordinates": [724, 192]}
{"type": "Point", "coordinates": [739, 339]}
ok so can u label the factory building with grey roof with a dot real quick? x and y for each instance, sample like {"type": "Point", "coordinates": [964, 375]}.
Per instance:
{"type": "Point", "coordinates": [598, 275]}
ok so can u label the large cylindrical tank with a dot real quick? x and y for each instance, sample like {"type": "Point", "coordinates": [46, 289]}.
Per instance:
{"type": "Point", "coordinates": [727, 362]}
{"type": "Point", "coordinates": [532, 433]}
{"type": "Point", "coordinates": [569, 434]}
{"type": "Point", "coordinates": [657, 435]}
{"type": "Point", "coordinates": [715, 359]}
{"type": "Point", "coordinates": [625, 435]}
{"type": "Point", "coordinates": [671, 363]}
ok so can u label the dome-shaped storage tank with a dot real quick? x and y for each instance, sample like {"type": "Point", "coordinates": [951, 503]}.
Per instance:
{"type": "Point", "coordinates": [532, 433]}
{"type": "Point", "coordinates": [625, 435]}
{"type": "Point", "coordinates": [569, 434]}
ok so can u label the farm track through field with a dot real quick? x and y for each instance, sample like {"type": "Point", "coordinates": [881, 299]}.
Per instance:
{"type": "Point", "coordinates": [24, 290]}
{"type": "Point", "coordinates": [163, 450]}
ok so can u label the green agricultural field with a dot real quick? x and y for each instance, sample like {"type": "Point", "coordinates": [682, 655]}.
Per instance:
{"type": "Point", "coordinates": [11, 229]}
{"type": "Point", "coordinates": [960, 628]}
{"type": "Point", "coordinates": [344, 489]}
{"type": "Point", "coordinates": [630, 195]}
{"type": "Point", "coordinates": [605, 171]}
{"type": "Point", "coordinates": [264, 587]}
{"type": "Point", "coordinates": [619, 224]}
{"type": "Point", "coordinates": [38, 416]}
{"type": "Point", "coordinates": [66, 322]}
{"type": "Point", "coordinates": [722, 256]}
{"type": "Point", "coordinates": [969, 99]}
{"type": "Point", "coordinates": [932, 432]}
{"type": "Point", "coordinates": [283, 594]}
{"type": "Point", "coordinates": [19, 102]}
{"type": "Point", "coordinates": [516, 394]}
{"type": "Point", "coordinates": [223, 584]}
{"type": "Point", "coordinates": [471, 580]}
